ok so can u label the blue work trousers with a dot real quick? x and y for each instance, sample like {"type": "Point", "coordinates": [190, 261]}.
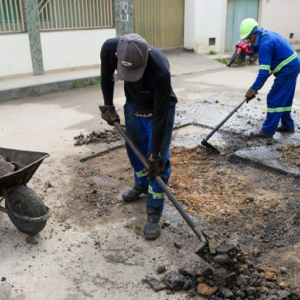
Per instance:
{"type": "Point", "coordinates": [280, 98]}
{"type": "Point", "coordinates": [139, 130]}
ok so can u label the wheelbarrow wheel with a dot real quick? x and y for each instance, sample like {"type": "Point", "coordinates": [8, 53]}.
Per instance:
{"type": "Point", "coordinates": [26, 202]}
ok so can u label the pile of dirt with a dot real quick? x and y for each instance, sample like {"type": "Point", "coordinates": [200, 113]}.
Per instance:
{"type": "Point", "coordinates": [248, 282]}
{"type": "Point", "coordinates": [104, 136]}
{"type": "Point", "coordinates": [256, 207]}
{"type": "Point", "coordinates": [205, 183]}
{"type": "Point", "coordinates": [291, 154]}
{"type": "Point", "coordinates": [5, 166]}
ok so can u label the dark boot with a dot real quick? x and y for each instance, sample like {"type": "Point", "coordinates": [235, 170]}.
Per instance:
{"type": "Point", "coordinates": [287, 130]}
{"type": "Point", "coordinates": [152, 227]}
{"type": "Point", "coordinates": [134, 193]}
{"type": "Point", "coordinates": [260, 134]}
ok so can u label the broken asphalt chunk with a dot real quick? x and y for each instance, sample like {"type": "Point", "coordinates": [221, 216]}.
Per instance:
{"type": "Point", "coordinates": [155, 284]}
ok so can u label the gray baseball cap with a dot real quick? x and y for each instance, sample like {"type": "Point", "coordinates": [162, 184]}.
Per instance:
{"type": "Point", "coordinates": [132, 53]}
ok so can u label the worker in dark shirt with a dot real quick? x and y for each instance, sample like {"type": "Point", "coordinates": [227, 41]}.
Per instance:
{"type": "Point", "coordinates": [149, 115]}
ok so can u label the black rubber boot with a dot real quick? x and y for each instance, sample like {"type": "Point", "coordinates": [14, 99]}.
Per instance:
{"type": "Point", "coordinates": [287, 130]}
{"type": "Point", "coordinates": [260, 134]}
{"type": "Point", "coordinates": [134, 193]}
{"type": "Point", "coordinates": [152, 227]}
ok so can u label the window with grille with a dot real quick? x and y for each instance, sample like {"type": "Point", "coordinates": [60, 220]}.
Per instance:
{"type": "Point", "coordinates": [11, 16]}
{"type": "Point", "coordinates": [74, 14]}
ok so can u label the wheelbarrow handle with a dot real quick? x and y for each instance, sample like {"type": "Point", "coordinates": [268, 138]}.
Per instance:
{"type": "Point", "coordinates": [159, 181]}
{"type": "Point", "coordinates": [220, 125]}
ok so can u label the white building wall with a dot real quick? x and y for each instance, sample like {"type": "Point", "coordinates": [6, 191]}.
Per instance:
{"type": "Point", "coordinates": [282, 17]}
{"type": "Point", "coordinates": [15, 55]}
{"type": "Point", "coordinates": [61, 50]}
{"type": "Point", "coordinates": [204, 19]}
{"type": "Point", "coordinates": [189, 24]}
{"type": "Point", "coordinates": [73, 48]}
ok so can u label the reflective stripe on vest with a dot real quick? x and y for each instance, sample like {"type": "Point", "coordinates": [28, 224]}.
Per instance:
{"type": "Point", "coordinates": [279, 109]}
{"type": "Point", "coordinates": [141, 173]}
{"type": "Point", "coordinates": [264, 67]}
{"type": "Point", "coordinates": [285, 62]}
{"type": "Point", "coordinates": [156, 195]}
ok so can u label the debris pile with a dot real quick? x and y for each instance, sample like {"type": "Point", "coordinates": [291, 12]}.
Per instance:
{"type": "Point", "coordinates": [220, 253]}
{"type": "Point", "coordinates": [5, 166]}
{"type": "Point", "coordinates": [250, 283]}
{"type": "Point", "coordinates": [104, 136]}
{"type": "Point", "coordinates": [291, 154]}
{"type": "Point", "coordinates": [243, 280]}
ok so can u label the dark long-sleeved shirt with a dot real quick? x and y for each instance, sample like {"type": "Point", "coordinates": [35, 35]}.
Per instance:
{"type": "Point", "coordinates": [152, 91]}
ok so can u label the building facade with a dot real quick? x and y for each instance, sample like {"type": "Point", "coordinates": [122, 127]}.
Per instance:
{"type": "Point", "coordinates": [213, 25]}
{"type": "Point", "coordinates": [42, 36]}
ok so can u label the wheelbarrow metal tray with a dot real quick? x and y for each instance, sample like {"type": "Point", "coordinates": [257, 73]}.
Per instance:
{"type": "Point", "coordinates": [30, 162]}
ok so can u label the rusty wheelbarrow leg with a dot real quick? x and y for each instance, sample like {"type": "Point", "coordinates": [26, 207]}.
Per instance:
{"type": "Point", "coordinates": [204, 141]}
{"type": "Point", "coordinates": [211, 248]}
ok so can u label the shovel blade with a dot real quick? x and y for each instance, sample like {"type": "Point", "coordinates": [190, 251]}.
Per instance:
{"type": "Point", "coordinates": [208, 145]}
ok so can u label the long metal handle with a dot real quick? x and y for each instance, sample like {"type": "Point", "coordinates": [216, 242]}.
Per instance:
{"type": "Point", "coordinates": [217, 128]}
{"type": "Point", "coordinates": [159, 182]}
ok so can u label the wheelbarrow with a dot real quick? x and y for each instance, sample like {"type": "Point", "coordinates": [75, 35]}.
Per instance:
{"type": "Point", "coordinates": [23, 206]}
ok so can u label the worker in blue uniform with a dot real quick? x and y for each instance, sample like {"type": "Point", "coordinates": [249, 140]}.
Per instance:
{"type": "Point", "coordinates": [275, 55]}
{"type": "Point", "coordinates": [149, 115]}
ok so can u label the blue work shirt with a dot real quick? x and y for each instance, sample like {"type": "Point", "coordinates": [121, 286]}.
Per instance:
{"type": "Point", "coordinates": [274, 52]}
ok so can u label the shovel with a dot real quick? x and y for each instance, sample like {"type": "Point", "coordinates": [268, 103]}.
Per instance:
{"type": "Point", "coordinates": [204, 141]}
{"type": "Point", "coordinates": [211, 248]}
{"type": "Point", "coordinates": [161, 184]}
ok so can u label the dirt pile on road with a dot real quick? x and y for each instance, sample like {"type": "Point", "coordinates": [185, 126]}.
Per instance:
{"type": "Point", "coordinates": [103, 136]}
{"type": "Point", "coordinates": [256, 208]}
{"type": "Point", "coordinates": [5, 166]}
{"type": "Point", "coordinates": [204, 184]}
{"type": "Point", "coordinates": [248, 282]}
{"type": "Point", "coordinates": [291, 154]}
{"type": "Point", "coordinates": [220, 252]}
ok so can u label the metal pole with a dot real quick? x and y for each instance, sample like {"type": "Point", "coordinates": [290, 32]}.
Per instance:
{"type": "Point", "coordinates": [218, 127]}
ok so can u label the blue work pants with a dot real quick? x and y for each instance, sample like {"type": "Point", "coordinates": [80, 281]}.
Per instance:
{"type": "Point", "coordinates": [280, 98]}
{"type": "Point", "coordinates": [139, 130]}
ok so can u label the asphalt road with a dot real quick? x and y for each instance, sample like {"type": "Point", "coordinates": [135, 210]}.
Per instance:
{"type": "Point", "coordinates": [102, 259]}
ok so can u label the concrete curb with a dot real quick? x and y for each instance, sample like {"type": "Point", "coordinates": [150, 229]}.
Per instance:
{"type": "Point", "coordinates": [49, 87]}
{"type": "Point", "coordinates": [235, 158]}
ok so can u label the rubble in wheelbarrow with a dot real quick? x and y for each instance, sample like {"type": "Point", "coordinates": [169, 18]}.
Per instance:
{"type": "Point", "coordinates": [5, 166]}
{"type": "Point", "coordinates": [103, 136]}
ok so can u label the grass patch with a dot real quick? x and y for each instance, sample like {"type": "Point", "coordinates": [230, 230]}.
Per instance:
{"type": "Point", "coordinates": [95, 81]}
{"type": "Point", "coordinates": [224, 61]}
{"type": "Point", "coordinates": [77, 84]}
{"type": "Point", "coordinates": [212, 53]}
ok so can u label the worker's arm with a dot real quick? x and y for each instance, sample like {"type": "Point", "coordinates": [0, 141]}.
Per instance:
{"type": "Point", "coordinates": [162, 96]}
{"type": "Point", "coordinates": [265, 57]}
{"type": "Point", "coordinates": [108, 67]}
